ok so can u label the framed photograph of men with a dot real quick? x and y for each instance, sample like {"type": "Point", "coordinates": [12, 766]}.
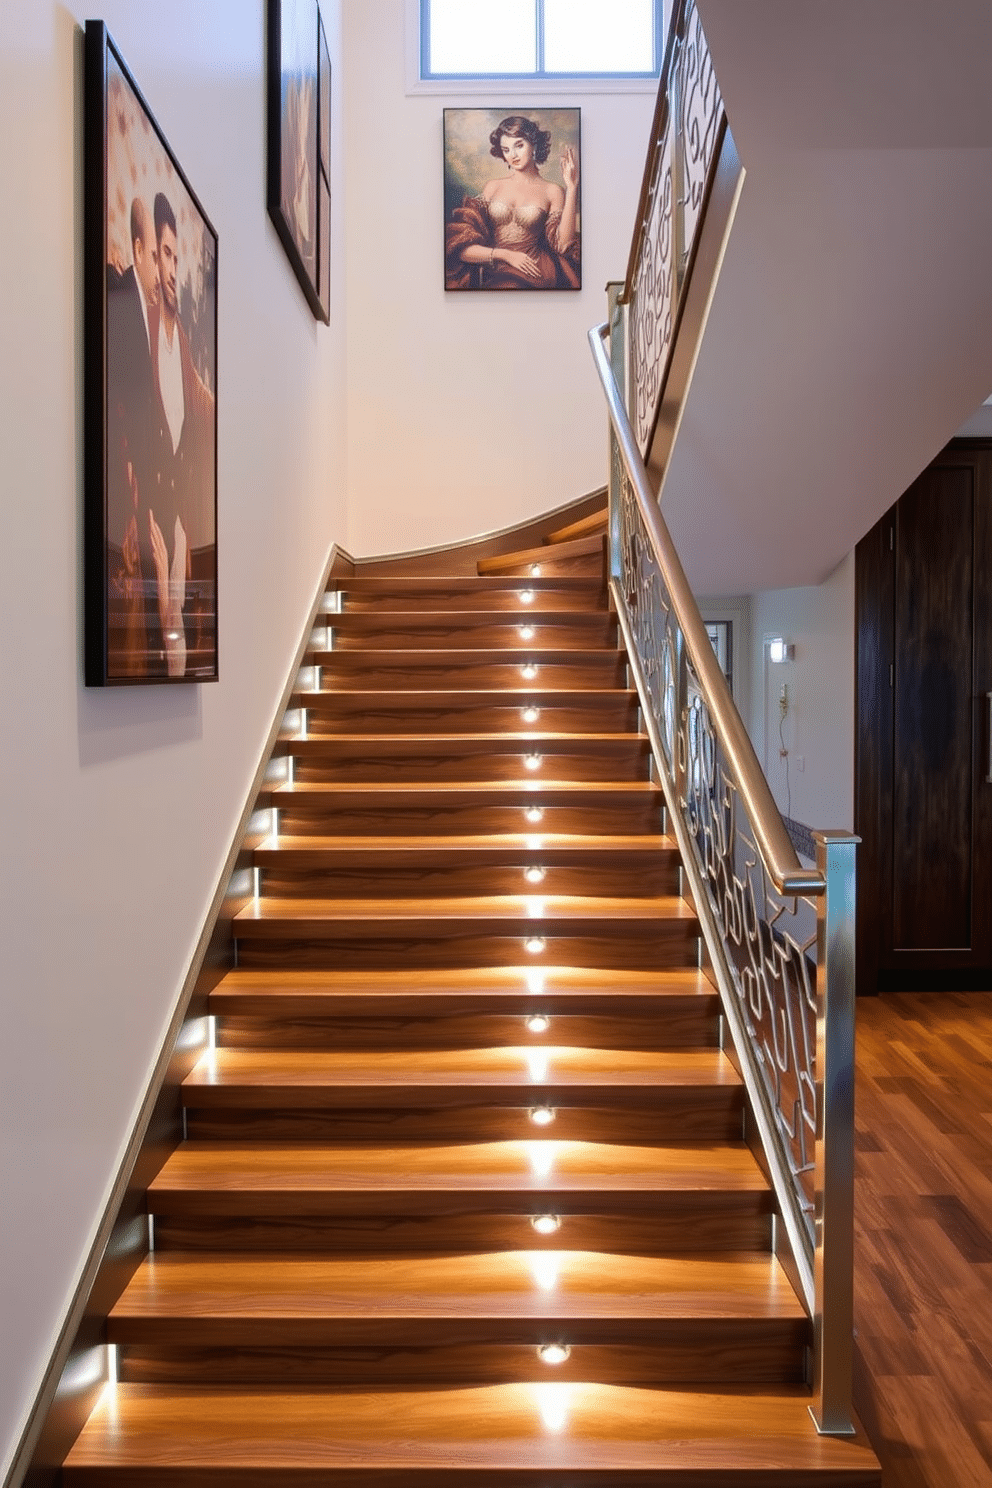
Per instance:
{"type": "Point", "coordinates": [511, 199]}
{"type": "Point", "coordinates": [299, 136]}
{"type": "Point", "coordinates": [150, 399]}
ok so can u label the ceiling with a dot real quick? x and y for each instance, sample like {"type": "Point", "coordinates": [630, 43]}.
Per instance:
{"type": "Point", "coordinates": [850, 333]}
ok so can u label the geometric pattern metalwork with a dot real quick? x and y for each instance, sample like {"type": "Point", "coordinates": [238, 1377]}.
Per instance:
{"type": "Point", "coordinates": [678, 172]}
{"type": "Point", "coordinates": [769, 939]}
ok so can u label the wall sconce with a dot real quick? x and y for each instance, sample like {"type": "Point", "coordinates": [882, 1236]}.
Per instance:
{"type": "Point", "coordinates": [780, 650]}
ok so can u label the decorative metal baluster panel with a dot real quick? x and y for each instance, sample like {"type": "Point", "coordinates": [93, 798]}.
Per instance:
{"type": "Point", "coordinates": [681, 166]}
{"type": "Point", "coordinates": [701, 108]}
{"type": "Point", "coordinates": [652, 315]}
{"type": "Point", "coordinates": [769, 939]}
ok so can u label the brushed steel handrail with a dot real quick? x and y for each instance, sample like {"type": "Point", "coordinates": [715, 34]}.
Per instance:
{"type": "Point", "coordinates": [778, 854]}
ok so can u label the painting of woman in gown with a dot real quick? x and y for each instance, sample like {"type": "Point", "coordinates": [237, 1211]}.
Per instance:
{"type": "Point", "coordinates": [515, 227]}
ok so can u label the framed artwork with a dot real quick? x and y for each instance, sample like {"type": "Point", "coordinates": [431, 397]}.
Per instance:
{"type": "Point", "coordinates": [511, 199]}
{"type": "Point", "coordinates": [299, 144]}
{"type": "Point", "coordinates": [150, 398]}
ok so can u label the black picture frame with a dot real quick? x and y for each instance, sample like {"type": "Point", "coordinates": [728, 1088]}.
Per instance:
{"type": "Point", "coordinates": [479, 240]}
{"type": "Point", "coordinates": [299, 144]}
{"type": "Point", "coordinates": [150, 394]}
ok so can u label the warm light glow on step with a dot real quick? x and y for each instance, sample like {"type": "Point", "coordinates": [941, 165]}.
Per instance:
{"type": "Point", "coordinates": [112, 1364]}
{"type": "Point", "coordinates": [535, 569]}
{"type": "Point", "coordinates": [537, 1065]}
{"type": "Point", "coordinates": [535, 980]}
{"type": "Point", "coordinates": [554, 1353]}
{"type": "Point", "coordinates": [526, 596]}
{"type": "Point", "coordinates": [542, 1116]}
{"type": "Point", "coordinates": [544, 1264]}
{"type": "Point", "coordinates": [528, 672]}
{"type": "Point", "coordinates": [542, 1157]}
{"type": "Point", "coordinates": [546, 1224]}
{"type": "Point", "coordinates": [531, 715]}
{"type": "Point", "coordinates": [526, 632]}
{"type": "Point", "coordinates": [534, 813]}
{"type": "Point", "coordinates": [535, 945]}
{"type": "Point", "coordinates": [534, 874]}
{"type": "Point", "coordinates": [538, 1023]}
{"type": "Point", "coordinates": [532, 762]}
{"type": "Point", "coordinates": [552, 1404]}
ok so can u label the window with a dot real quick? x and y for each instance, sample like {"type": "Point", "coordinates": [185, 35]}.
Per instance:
{"type": "Point", "coordinates": [540, 38]}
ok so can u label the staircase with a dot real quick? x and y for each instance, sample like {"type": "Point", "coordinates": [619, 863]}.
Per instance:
{"type": "Point", "coordinates": [463, 1197]}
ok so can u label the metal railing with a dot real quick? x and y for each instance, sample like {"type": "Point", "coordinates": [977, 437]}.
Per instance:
{"type": "Point", "coordinates": [780, 937]}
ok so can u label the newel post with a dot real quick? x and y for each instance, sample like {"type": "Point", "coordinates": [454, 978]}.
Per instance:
{"type": "Point", "coordinates": [833, 1265]}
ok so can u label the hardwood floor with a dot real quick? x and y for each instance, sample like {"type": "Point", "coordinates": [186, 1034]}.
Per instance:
{"type": "Point", "coordinates": [923, 1215]}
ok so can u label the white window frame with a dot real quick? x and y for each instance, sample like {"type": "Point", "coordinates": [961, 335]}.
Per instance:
{"type": "Point", "coordinates": [520, 86]}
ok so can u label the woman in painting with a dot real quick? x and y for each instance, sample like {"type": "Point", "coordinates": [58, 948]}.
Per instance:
{"type": "Point", "coordinates": [521, 231]}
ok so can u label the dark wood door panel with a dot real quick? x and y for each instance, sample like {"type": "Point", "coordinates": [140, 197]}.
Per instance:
{"type": "Point", "coordinates": [932, 695]}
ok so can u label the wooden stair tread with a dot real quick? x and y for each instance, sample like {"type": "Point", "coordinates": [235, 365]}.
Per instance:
{"type": "Point", "coordinates": [482, 981]}
{"type": "Point", "coordinates": [598, 1433]}
{"type": "Point", "coordinates": [591, 742]}
{"type": "Point", "coordinates": [516, 697]}
{"type": "Point", "coordinates": [595, 522]}
{"type": "Point", "coordinates": [532, 1070]}
{"type": "Point", "coordinates": [506, 1284]}
{"type": "Point", "coordinates": [550, 847]}
{"type": "Point", "coordinates": [528, 786]}
{"type": "Point", "coordinates": [576, 547]}
{"type": "Point", "coordinates": [513, 910]}
{"type": "Point", "coordinates": [436, 1169]}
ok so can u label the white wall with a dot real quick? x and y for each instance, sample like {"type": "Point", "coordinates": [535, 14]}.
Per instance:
{"type": "Point", "coordinates": [120, 804]}
{"type": "Point", "coordinates": [818, 728]}
{"type": "Point", "coordinates": [489, 403]}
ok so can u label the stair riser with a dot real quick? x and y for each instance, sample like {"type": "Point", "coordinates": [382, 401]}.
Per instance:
{"type": "Point", "coordinates": [698, 1352]}
{"type": "Point", "coordinates": [696, 1120]}
{"type": "Point", "coordinates": [366, 671]}
{"type": "Point", "coordinates": [306, 816]}
{"type": "Point", "coordinates": [353, 632]}
{"type": "Point", "coordinates": [669, 1028]}
{"type": "Point", "coordinates": [467, 951]}
{"type": "Point", "coordinates": [508, 764]}
{"type": "Point", "coordinates": [551, 563]}
{"type": "Point", "coordinates": [657, 876]}
{"type": "Point", "coordinates": [701, 1223]}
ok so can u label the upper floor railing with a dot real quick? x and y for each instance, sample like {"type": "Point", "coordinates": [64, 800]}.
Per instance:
{"type": "Point", "coordinates": [779, 936]}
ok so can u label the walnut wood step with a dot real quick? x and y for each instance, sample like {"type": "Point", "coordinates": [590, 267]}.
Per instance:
{"type": "Point", "coordinates": [486, 1094]}
{"type": "Point", "coordinates": [521, 757]}
{"type": "Point", "coordinates": [572, 555]}
{"type": "Point", "coordinates": [546, 629]}
{"type": "Point", "coordinates": [579, 710]}
{"type": "Point", "coordinates": [520, 1178]}
{"type": "Point", "coordinates": [438, 1009]}
{"type": "Point", "coordinates": [467, 932]}
{"type": "Point", "coordinates": [505, 1436]}
{"type": "Point", "coordinates": [470, 1318]}
{"type": "Point", "coordinates": [376, 670]}
{"type": "Point", "coordinates": [528, 595]}
{"type": "Point", "coordinates": [328, 867]}
{"type": "Point", "coordinates": [595, 522]}
{"type": "Point", "coordinates": [460, 808]}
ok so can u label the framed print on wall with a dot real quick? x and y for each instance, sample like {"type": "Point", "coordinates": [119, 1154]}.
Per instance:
{"type": "Point", "coordinates": [511, 199]}
{"type": "Point", "coordinates": [150, 398]}
{"type": "Point", "coordinates": [299, 144]}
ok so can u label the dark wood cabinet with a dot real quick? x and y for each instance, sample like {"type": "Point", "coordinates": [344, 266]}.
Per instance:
{"type": "Point", "coordinates": [923, 749]}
